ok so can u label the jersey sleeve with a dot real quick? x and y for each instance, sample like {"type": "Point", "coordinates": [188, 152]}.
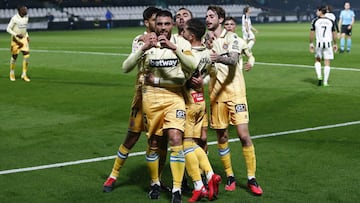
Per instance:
{"type": "Point", "coordinates": [10, 26]}
{"type": "Point", "coordinates": [235, 44]}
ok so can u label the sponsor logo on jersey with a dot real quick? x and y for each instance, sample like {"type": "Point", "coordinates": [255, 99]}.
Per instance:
{"type": "Point", "coordinates": [180, 114]}
{"type": "Point", "coordinates": [162, 63]}
{"type": "Point", "coordinates": [240, 108]}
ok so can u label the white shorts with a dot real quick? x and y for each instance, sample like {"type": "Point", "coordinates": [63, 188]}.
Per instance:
{"type": "Point", "coordinates": [324, 53]}
{"type": "Point", "coordinates": [248, 35]}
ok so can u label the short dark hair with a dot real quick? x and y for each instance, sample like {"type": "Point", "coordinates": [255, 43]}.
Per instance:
{"type": "Point", "coordinates": [20, 6]}
{"type": "Point", "coordinates": [323, 9]}
{"type": "Point", "coordinates": [230, 18]}
{"type": "Point", "coordinates": [246, 9]}
{"type": "Point", "coordinates": [196, 27]}
{"type": "Point", "coordinates": [218, 10]}
{"type": "Point", "coordinates": [149, 12]}
{"type": "Point", "coordinates": [164, 13]}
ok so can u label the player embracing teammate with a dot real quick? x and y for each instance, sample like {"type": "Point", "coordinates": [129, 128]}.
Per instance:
{"type": "Point", "coordinates": [174, 68]}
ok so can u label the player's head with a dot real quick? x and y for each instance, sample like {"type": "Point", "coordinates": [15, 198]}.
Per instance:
{"type": "Point", "coordinates": [194, 30]}
{"type": "Point", "coordinates": [164, 23]}
{"type": "Point", "coordinates": [321, 10]}
{"type": "Point", "coordinates": [329, 8]}
{"type": "Point", "coordinates": [181, 16]}
{"type": "Point", "coordinates": [22, 10]}
{"type": "Point", "coordinates": [230, 24]}
{"type": "Point", "coordinates": [149, 16]}
{"type": "Point", "coordinates": [246, 10]}
{"type": "Point", "coordinates": [215, 16]}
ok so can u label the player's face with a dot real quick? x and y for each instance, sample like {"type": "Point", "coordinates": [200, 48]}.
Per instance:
{"type": "Point", "coordinates": [212, 20]}
{"type": "Point", "coordinates": [164, 25]}
{"type": "Point", "coordinates": [230, 25]}
{"type": "Point", "coordinates": [187, 34]}
{"type": "Point", "coordinates": [150, 24]}
{"type": "Point", "coordinates": [23, 11]}
{"type": "Point", "coordinates": [181, 17]}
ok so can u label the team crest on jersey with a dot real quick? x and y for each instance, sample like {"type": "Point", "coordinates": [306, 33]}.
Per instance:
{"type": "Point", "coordinates": [240, 108]}
{"type": "Point", "coordinates": [180, 114]}
{"type": "Point", "coordinates": [161, 63]}
{"type": "Point", "coordinates": [225, 46]}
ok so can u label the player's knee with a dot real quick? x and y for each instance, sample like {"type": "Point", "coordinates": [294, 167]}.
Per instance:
{"type": "Point", "coordinates": [131, 139]}
{"type": "Point", "coordinates": [175, 137]}
{"type": "Point", "coordinates": [222, 136]}
{"type": "Point", "coordinates": [152, 141]}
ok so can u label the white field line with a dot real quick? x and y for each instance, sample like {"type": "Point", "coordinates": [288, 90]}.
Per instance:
{"type": "Point", "coordinates": [304, 66]}
{"type": "Point", "coordinates": [125, 55]}
{"type": "Point", "coordinates": [143, 153]}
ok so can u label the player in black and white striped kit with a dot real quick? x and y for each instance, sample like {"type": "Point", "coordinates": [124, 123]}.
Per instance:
{"type": "Point", "coordinates": [323, 29]}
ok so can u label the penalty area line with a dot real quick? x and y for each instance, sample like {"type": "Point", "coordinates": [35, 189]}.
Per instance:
{"type": "Point", "coordinates": [58, 165]}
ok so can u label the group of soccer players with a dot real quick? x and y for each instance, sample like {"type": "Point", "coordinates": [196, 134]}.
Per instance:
{"type": "Point", "coordinates": [169, 101]}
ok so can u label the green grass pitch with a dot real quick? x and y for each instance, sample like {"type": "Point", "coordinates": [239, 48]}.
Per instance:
{"type": "Point", "coordinates": [77, 104]}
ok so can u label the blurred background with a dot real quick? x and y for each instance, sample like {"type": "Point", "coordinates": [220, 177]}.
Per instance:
{"type": "Point", "coordinates": [91, 14]}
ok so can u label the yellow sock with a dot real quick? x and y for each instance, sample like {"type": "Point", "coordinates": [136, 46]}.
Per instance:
{"type": "Point", "coordinates": [119, 162]}
{"type": "Point", "coordinates": [12, 64]}
{"type": "Point", "coordinates": [250, 159]}
{"type": "Point", "coordinates": [25, 64]}
{"type": "Point", "coordinates": [225, 156]}
{"type": "Point", "coordinates": [204, 162]}
{"type": "Point", "coordinates": [192, 163]}
{"type": "Point", "coordinates": [152, 160]}
{"type": "Point", "coordinates": [162, 156]}
{"type": "Point", "coordinates": [177, 165]}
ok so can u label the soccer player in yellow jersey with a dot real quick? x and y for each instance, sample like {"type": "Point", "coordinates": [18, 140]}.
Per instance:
{"type": "Point", "coordinates": [196, 116]}
{"type": "Point", "coordinates": [17, 28]}
{"type": "Point", "coordinates": [164, 106]}
{"type": "Point", "coordinates": [136, 116]}
{"type": "Point", "coordinates": [228, 96]}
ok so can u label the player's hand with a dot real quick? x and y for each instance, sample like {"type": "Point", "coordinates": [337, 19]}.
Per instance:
{"type": "Point", "coordinates": [311, 48]}
{"type": "Point", "coordinates": [213, 56]}
{"type": "Point", "coordinates": [20, 36]}
{"type": "Point", "coordinates": [209, 38]}
{"type": "Point", "coordinates": [335, 47]}
{"type": "Point", "coordinates": [165, 43]}
{"type": "Point", "coordinates": [248, 66]}
{"type": "Point", "coordinates": [150, 41]}
{"type": "Point", "coordinates": [197, 82]}
{"type": "Point", "coordinates": [149, 78]}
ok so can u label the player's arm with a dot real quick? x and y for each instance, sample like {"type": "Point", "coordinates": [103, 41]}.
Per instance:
{"type": "Point", "coordinates": [9, 28]}
{"type": "Point", "coordinates": [150, 79]}
{"type": "Point", "coordinates": [132, 60]}
{"type": "Point", "coordinates": [187, 59]}
{"type": "Point", "coordinates": [335, 48]}
{"type": "Point", "coordinates": [251, 59]}
{"type": "Point", "coordinates": [311, 40]}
